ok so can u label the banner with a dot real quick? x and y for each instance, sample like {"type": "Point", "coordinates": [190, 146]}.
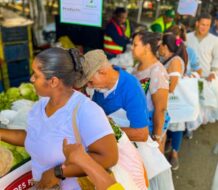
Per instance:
{"type": "Point", "coordinates": [81, 12]}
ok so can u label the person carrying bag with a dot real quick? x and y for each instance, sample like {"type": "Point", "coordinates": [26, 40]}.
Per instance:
{"type": "Point", "coordinates": [129, 171]}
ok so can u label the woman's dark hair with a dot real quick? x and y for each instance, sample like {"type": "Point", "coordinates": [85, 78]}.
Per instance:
{"type": "Point", "coordinates": [178, 30]}
{"type": "Point", "coordinates": [176, 47]}
{"type": "Point", "coordinates": [63, 64]}
{"type": "Point", "coordinates": [149, 38]}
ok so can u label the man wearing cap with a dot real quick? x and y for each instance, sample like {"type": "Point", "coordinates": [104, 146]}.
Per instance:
{"type": "Point", "coordinates": [117, 33]}
{"type": "Point", "coordinates": [164, 22]}
{"type": "Point", "coordinates": [214, 28]}
{"type": "Point", "coordinates": [118, 93]}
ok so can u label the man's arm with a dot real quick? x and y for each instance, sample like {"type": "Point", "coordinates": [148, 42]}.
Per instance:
{"type": "Point", "coordinates": [135, 106]}
{"type": "Point", "coordinates": [214, 63]}
{"type": "Point", "coordinates": [136, 134]}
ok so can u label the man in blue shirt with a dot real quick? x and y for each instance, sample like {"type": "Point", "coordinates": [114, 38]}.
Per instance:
{"type": "Point", "coordinates": [116, 91]}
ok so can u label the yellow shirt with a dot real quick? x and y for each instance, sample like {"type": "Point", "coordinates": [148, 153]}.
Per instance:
{"type": "Point", "coordinates": [116, 186]}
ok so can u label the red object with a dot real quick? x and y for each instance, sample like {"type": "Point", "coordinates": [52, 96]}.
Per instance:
{"type": "Point", "coordinates": [22, 183]}
{"type": "Point", "coordinates": [107, 42]}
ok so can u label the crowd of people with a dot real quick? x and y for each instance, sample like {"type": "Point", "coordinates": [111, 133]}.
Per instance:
{"type": "Point", "coordinates": [139, 98]}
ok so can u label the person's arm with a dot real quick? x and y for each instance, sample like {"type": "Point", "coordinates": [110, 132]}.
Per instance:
{"type": "Point", "coordinates": [75, 154]}
{"type": "Point", "coordinates": [214, 63]}
{"type": "Point", "coordinates": [13, 136]}
{"type": "Point", "coordinates": [199, 71]}
{"type": "Point", "coordinates": [135, 105]}
{"type": "Point", "coordinates": [176, 67]}
{"type": "Point", "coordinates": [120, 40]}
{"type": "Point", "coordinates": [173, 82]}
{"type": "Point", "coordinates": [160, 108]}
{"type": "Point", "coordinates": [103, 151]}
{"type": "Point", "coordinates": [193, 60]}
{"type": "Point", "coordinates": [136, 134]}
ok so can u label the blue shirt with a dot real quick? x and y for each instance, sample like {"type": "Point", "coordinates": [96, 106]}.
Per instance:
{"type": "Point", "coordinates": [213, 30]}
{"type": "Point", "coordinates": [193, 60]}
{"type": "Point", "coordinates": [129, 96]}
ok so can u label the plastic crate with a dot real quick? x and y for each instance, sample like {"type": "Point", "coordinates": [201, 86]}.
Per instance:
{"type": "Point", "coordinates": [14, 34]}
{"type": "Point", "coordinates": [17, 81]}
{"type": "Point", "coordinates": [18, 69]}
{"type": "Point", "coordinates": [16, 52]}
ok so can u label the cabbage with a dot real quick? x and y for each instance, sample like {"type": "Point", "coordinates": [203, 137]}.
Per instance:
{"type": "Point", "coordinates": [18, 158]}
{"type": "Point", "coordinates": [13, 93]}
{"type": "Point", "coordinates": [22, 151]}
{"type": "Point", "coordinates": [5, 102]}
{"type": "Point", "coordinates": [27, 91]}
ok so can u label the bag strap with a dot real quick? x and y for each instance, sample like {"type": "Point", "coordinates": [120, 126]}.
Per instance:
{"type": "Point", "coordinates": [74, 123]}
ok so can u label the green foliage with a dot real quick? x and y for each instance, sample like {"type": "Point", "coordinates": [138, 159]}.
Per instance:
{"type": "Point", "coordinates": [116, 129]}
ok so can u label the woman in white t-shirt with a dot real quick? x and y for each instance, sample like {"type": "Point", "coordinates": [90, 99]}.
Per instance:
{"type": "Point", "coordinates": [55, 71]}
{"type": "Point", "coordinates": [175, 58]}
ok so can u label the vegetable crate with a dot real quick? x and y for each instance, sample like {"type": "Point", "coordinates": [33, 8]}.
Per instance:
{"type": "Point", "coordinates": [16, 55]}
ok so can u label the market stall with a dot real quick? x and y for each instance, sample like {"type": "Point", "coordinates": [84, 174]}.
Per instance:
{"type": "Point", "coordinates": [15, 165]}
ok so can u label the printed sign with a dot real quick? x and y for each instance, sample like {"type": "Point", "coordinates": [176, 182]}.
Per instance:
{"type": "Point", "coordinates": [22, 183]}
{"type": "Point", "coordinates": [81, 12]}
{"type": "Point", "coordinates": [187, 7]}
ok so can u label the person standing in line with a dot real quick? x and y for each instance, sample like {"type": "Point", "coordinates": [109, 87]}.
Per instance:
{"type": "Point", "coordinates": [175, 60]}
{"type": "Point", "coordinates": [205, 45]}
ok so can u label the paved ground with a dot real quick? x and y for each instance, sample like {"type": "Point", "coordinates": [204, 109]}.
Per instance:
{"type": "Point", "coordinates": [197, 161]}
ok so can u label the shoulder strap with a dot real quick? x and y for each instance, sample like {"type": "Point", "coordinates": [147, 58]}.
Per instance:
{"type": "Point", "coordinates": [74, 123]}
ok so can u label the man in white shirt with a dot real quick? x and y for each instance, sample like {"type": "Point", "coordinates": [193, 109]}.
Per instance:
{"type": "Point", "coordinates": [206, 46]}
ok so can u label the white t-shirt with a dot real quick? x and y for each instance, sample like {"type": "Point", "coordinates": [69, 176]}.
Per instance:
{"type": "Point", "coordinates": [45, 134]}
{"type": "Point", "coordinates": [207, 50]}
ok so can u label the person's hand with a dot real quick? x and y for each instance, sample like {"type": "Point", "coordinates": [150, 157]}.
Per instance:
{"type": "Point", "coordinates": [211, 77]}
{"type": "Point", "coordinates": [73, 153]}
{"type": "Point", "coordinates": [48, 180]}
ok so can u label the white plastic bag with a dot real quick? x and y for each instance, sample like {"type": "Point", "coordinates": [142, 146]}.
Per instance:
{"type": "Point", "coordinates": [184, 102]}
{"type": "Point", "coordinates": [155, 162]}
{"type": "Point", "coordinates": [209, 95]}
{"type": "Point", "coordinates": [153, 159]}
